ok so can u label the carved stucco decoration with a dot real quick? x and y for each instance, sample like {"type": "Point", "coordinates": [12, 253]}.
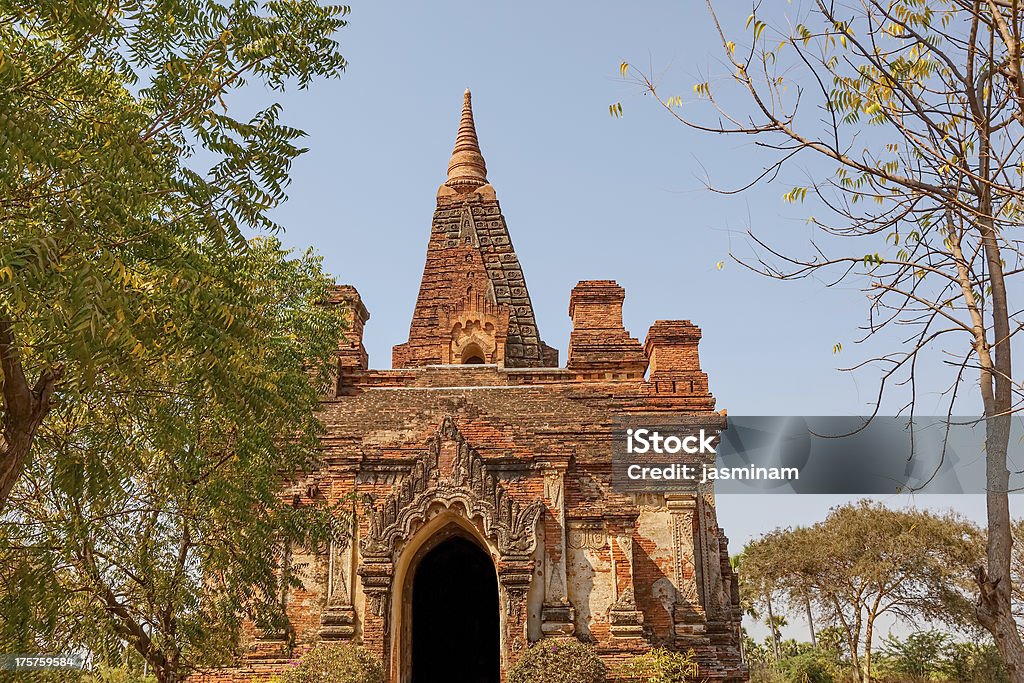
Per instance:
{"type": "Point", "coordinates": [475, 321]}
{"type": "Point", "coordinates": [466, 485]}
{"type": "Point", "coordinates": [587, 536]}
{"type": "Point", "coordinates": [686, 574]}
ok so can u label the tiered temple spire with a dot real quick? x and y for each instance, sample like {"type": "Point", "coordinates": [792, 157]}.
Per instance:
{"type": "Point", "coordinates": [466, 170]}
{"type": "Point", "coordinates": [470, 259]}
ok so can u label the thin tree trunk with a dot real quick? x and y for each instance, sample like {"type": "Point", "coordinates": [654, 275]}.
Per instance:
{"type": "Point", "coordinates": [810, 620]}
{"type": "Point", "coordinates": [771, 626]}
{"type": "Point", "coordinates": [24, 408]}
{"type": "Point", "coordinates": [994, 605]}
{"type": "Point", "coordinates": [868, 633]}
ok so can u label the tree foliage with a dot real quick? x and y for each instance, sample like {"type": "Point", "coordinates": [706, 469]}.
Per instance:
{"type": "Point", "coordinates": [920, 657]}
{"type": "Point", "coordinates": [935, 656]}
{"type": "Point", "coordinates": [109, 230]}
{"type": "Point", "coordinates": [155, 517]}
{"type": "Point", "coordinates": [160, 366]}
{"type": "Point", "coordinates": [864, 561]}
{"type": "Point", "coordinates": [917, 107]}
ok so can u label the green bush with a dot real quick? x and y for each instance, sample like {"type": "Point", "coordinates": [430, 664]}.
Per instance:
{"type": "Point", "coordinates": [662, 666]}
{"type": "Point", "coordinates": [559, 661]}
{"type": "Point", "coordinates": [335, 664]}
{"type": "Point", "coordinates": [936, 656]}
{"type": "Point", "coordinates": [810, 666]}
{"type": "Point", "coordinates": [918, 656]}
{"type": "Point", "coordinates": [975, 663]}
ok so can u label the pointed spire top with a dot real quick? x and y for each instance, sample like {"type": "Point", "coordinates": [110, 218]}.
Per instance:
{"type": "Point", "coordinates": [466, 170]}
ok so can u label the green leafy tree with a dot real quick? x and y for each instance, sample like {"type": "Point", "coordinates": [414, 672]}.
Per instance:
{"type": "Point", "coordinates": [972, 662]}
{"type": "Point", "coordinates": [936, 656]}
{"type": "Point", "coordinates": [809, 666]}
{"type": "Point", "coordinates": [108, 225]}
{"type": "Point", "coordinates": [160, 372]}
{"type": "Point", "coordinates": [919, 655]}
{"type": "Point", "coordinates": [158, 520]}
{"type": "Point", "coordinates": [912, 113]}
{"type": "Point", "coordinates": [760, 579]}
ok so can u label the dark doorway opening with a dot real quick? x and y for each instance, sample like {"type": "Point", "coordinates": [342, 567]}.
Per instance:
{"type": "Point", "coordinates": [455, 616]}
{"type": "Point", "coordinates": [472, 355]}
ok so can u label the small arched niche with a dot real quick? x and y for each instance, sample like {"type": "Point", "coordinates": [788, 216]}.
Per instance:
{"type": "Point", "coordinates": [472, 354]}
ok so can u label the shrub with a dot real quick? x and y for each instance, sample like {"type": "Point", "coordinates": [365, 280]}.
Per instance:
{"type": "Point", "coordinates": [335, 664]}
{"type": "Point", "coordinates": [662, 666]}
{"type": "Point", "coordinates": [975, 663]}
{"type": "Point", "coordinates": [810, 666]}
{"type": "Point", "coordinates": [110, 674]}
{"type": "Point", "coordinates": [561, 661]}
{"type": "Point", "coordinates": [919, 656]}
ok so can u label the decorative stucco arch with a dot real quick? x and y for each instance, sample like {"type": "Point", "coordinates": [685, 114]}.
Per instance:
{"type": "Point", "coordinates": [448, 488]}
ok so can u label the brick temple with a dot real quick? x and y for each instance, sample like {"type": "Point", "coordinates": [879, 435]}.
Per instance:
{"type": "Point", "coordinates": [481, 470]}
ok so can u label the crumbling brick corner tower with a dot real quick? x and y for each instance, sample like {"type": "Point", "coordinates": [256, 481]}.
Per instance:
{"type": "Point", "coordinates": [477, 459]}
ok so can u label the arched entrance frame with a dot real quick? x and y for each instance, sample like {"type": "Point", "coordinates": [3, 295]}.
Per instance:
{"type": "Point", "coordinates": [449, 484]}
{"type": "Point", "coordinates": [444, 523]}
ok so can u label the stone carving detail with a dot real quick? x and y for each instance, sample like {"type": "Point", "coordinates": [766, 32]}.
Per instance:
{"type": "Point", "coordinates": [625, 541]}
{"type": "Point", "coordinates": [649, 501]}
{"type": "Point", "coordinates": [626, 620]}
{"type": "Point", "coordinates": [554, 488]}
{"type": "Point", "coordinates": [337, 561]}
{"type": "Point", "coordinates": [375, 602]}
{"type": "Point", "coordinates": [709, 554]}
{"type": "Point", "coordinates": [515, 600]}
{"type": "Point", "coordinates": [587, 536]}
{"type": "Point", "coordinates": [337, 620]}
{"type": "Point", "coordinates": [376, 574]}
{"type": "Point", "coordinates": [682, 532]}
{"type": "Point", "coordinates": [466, 483]}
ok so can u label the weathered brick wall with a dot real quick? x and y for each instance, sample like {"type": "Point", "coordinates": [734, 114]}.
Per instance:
{"type": "Point", "coordinates": [514, 419]}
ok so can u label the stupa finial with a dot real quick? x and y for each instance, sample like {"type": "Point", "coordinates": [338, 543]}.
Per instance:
{"type": "Point", "coordinates": [466, 170]}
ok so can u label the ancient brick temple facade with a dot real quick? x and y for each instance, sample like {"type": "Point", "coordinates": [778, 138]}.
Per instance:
{"type": "Point", "coordinates": [479, 459]}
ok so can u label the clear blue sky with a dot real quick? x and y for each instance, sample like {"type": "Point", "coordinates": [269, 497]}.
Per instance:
{"type": "Point", "coordinates": [586, 196]}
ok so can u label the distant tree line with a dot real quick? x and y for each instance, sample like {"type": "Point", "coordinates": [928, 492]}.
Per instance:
{"type": "Point", "coordinates": [847, 575]}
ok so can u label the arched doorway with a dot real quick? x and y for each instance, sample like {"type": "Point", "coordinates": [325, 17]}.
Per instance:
{"type": "Point", "coordinates": [455, 620]}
